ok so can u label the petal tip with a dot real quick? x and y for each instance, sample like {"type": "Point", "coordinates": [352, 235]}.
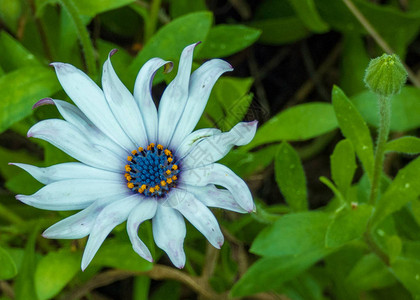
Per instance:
{"type": "Point", "coordinates": [112, 52]}
{"type": "Point", "coordinates": [43, 101]}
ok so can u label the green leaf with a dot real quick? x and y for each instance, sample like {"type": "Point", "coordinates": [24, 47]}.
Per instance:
{"type": "Point", "coordinates": [126, 259]}
{"type": "Point", "coordinates": [407, 272]}
{"type": "Point", "coordinates": [354, 128]}
{"type": "Point", "coordinates": [21, 89]}
{"type": "Point", "coordinates": [343, 165]}
{"type": "Point", "coordinates": [54, 271]}
{"type": "Point", "coordinates": [293, 234]}
{"type": "Point", "coordinates": [405, 108]}
{"type": "Point", "coordinates": [369, 273]}
{"type": "Point", "coordinates": [406, 144]}
{"type": "Point", "coordinates": [224, 40]}
{"type": "Point", "coordinates": [298, 123]}
{"type": "Point", "coordinates": [178, 8]}
{"type": "Point", "coordinates": [93, 7]}
{"type": "Point", "coordinates": [10, 13]}
{"type": "Point", "coordinates": [14, 55]}
{"type": "Point", "coordinates": [8, 267]}
{"type": "Point", "coordinates": [404, 188]}
{"type": "Point", "coordinates": [169, 41]}
{"type": "Point", "coordinates": [270, 273]}
{"type": "Point", "coordinates": [290, 177]}
{"type": "Point", "coordinates": [348, 225]}
{"type": "Point", "coordinates": [281, 31]}
{"type": "Point", "coordinates": [307, 12]}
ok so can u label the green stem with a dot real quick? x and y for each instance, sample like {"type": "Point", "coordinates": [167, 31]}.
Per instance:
{"type": "Point", "coordinates": [385, 120]}
{"type": "Point", "coordinates": [88, 50]}
{"type": "Point", "coordinates": [153, 18]}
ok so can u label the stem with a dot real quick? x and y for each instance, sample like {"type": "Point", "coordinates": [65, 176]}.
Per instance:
{"type": "Point", "coordinates": [385, 120]}
{"type": "Point", "coordinates": [153, 18]}
{"type": "Point", "coordinates": [378, 38]}
{"type": "Point", "coordinates": [88, 50]}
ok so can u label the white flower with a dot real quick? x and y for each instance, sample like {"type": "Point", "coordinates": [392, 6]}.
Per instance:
{"type": "Point", "coordinates": [137, 163]}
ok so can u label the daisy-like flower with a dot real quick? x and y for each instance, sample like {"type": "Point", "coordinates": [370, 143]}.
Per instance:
{"type": "Point", "coordinates": [136, 162]}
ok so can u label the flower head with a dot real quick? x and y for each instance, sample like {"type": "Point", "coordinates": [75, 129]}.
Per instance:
{"type": "Point", "coordinates": [136, 162]}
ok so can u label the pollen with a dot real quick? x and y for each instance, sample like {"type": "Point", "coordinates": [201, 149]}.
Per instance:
{"type": "Point", "coordinates": [151, 171]}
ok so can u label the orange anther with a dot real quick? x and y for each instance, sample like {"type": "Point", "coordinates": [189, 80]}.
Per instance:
{"type": "Point", "coordinates": [134, 152]}
{"type": "Point", "coordinates": [128, 178]}
{"type": "Point", "coordinates": [129, 158]}
{"type": "Point", "coordinates": [152, 145]}
{"type": "Point", "coordinates": [163, 183]}
{"type": "Point", "coordinates": [157, 188]}
{"type": "Point", "coordinates": [170, 159]}
{"type": "Point", "coordinates": [174, 178]}
{"type": "Point", "coordinates": [152, 190]}
{"type": "Point", "coordinates": [130, 185]}
{"type": "Point", "coordinates": [140, 190]}
{"type": "Point", "coordinates": [143, 187]}
{"type": "Point", "coordinates": [167, 152]}
{"type": "Point", "coordinates": [168, 172]}
{"type": "Point", "coordinates": [140, 149]}
{"type": "Point", "coordinates": [127, 168]}
{"type": "Point", "coordinates": [169, 180]}
{"type": "Point", "coordinates": [160, 147]}
{"type": "Point", "coordinates": [174, 167]}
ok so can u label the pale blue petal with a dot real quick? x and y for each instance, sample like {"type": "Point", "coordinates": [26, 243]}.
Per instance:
{"type": "Point", "coordinates": [220, 175]}
{"type": "Point", "coordinates": [198, 215]}
{"type": "Point", "coordinates": [144, 211]}
{"type": "Point", "coordinates": [111, 216]}
{"type": "Point", "coordinates": [169, 233]}
{"type": "Point", "coordinates": [193, 138]}
{"type": "Point", "coordinates": [215, 147]}
{"type": "Point", "coordinates": [201, 84]}
{"type": "Point", "coordinates": [143, 96]}
{"type": "Point", "coordinates": [175, 97]}
{"type": "Point", "coordinates": [91, 101]}
{"type": "Point", "coordinates": [123, 105]}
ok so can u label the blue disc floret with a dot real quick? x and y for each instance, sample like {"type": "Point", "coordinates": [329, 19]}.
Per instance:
{"type": "Point", "coordinates": [151, 171]}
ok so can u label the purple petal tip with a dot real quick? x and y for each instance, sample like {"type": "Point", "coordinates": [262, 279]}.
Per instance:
{"type": "Point", "coordinates": [44, 101]}
{"type": "Point", "coordinates": [112, 52]}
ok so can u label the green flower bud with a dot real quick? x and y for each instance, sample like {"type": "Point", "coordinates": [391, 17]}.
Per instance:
{"type": "Point", "coordinates": [385, 75]}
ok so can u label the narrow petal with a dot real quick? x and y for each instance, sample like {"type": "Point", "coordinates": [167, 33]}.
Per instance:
{"type": "Point", "coordinates": [75, 116]}
{"type": "Point", "coordinates": [175, 97]}
{"type": "Point", "coordinates": [68, 138]}
{"type": "Point", "coordinates": [169, 233]}
{"type": "Point", "coordinates": [220, 175]}
{"type": "Point", "coordinates": [111, 216]}
{"type": "Point", "coordinates": [143, 95]}
{"type": "Point", "coordinates": [78, 225]}
{"type": "Point", "coordinates": [123, 105]}
{"type": "Point", "coordinates": [215, 147]}
{"type": "Point", "coordinates": [142, 212]}
{"type": "Point", "coordinates": [91, 101]}
{"type": "Point", "coordinates": [211, 196]}
{"type": "Point", "coordinates": [193, 138]}
{"type": "Point", "coordinates": [201, 84]}
{"type": "Point", "coordinates": [65, 171]}
{"type": "Point", "coordinates": [198, 215]}
{"type": "Point", "coordinates": [74, 194]}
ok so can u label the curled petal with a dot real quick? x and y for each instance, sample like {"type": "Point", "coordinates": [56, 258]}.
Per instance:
{"type": "Point", "coordinates": [73, 194]}
{"type": "Point", "coordinates": [65, 171]}
{"type": "Point", "coordinates": [123, 105]}
{"type": "Point", "coordinates": [175, 97]}
{"type": "Point", "coordinates": [198, 215]}
{"type": "Point", "coordinates": [169, 233]}
{"type": "Point", "coordinates": [211, 196]}
{"type": "Point", "coordinates": [215, 147]}
{"type": "Point", "coordinates": [142, 212]}
{"type": "Point", "coordinates": [91, 101]}
{"type": "Point", "coordinates": [193, 138]}
{"type": "Point", "coordinates": [68, 138]}
{"type": "Point", "coordinates": [220, 175]}
{"type": "Point", "coordinates": [111, 216]}
{"type": "Point", "coordinates": [143, 96]}
{"type": "Point", "coordinates": [201, 84]}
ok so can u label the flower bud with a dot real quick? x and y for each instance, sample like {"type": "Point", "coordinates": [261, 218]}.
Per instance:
{"type": "Point", "coordinates": [385, 75]}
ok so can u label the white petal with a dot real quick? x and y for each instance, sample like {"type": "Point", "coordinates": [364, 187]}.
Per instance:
{"type": "Point", "coordinates": [111, 216]}
{"type": "Point", "coordinates": [198, 215]}
{"type": "Point", "coordinates": [201, 84]}
{"type": "Point", "coordinates": [215, 147]}
{"type": "Point", "coordinates": [169, 233]}
{"type": "Point", "coordinates": [78, 225]}
{"type": "Point", "coordinates": [211, 196]}
{"type": "Point", "coordinates": [220, 175]}
{"type": "Point", "coordinates": [75, 116]}
{"type": "Point", "coordinates": [142, 212]}
{"type": "Point", "coordinates": [74, 194]}
{"type": "Point", "coordinates": [193, 138]}
{"type": "Point", "coordinates": [123, 105]}
{"type": "Point", "coordinates": [143, 95]}
{"type": "Point", "coordinates": [64, 171]}
{"type": "Point", "coordinates": [175, 97]}
{"type": "Point", "coordinates": [91, 101]}
{"type": "Point", "coordinates": [68, 138]}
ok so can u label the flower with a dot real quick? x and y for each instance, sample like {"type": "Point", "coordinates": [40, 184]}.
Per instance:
{"type": "Point", "coordinates": [136, 162]}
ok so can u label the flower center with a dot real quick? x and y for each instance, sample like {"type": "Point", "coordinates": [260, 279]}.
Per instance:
{"type": "Point", "coordinates": [151, 171]}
